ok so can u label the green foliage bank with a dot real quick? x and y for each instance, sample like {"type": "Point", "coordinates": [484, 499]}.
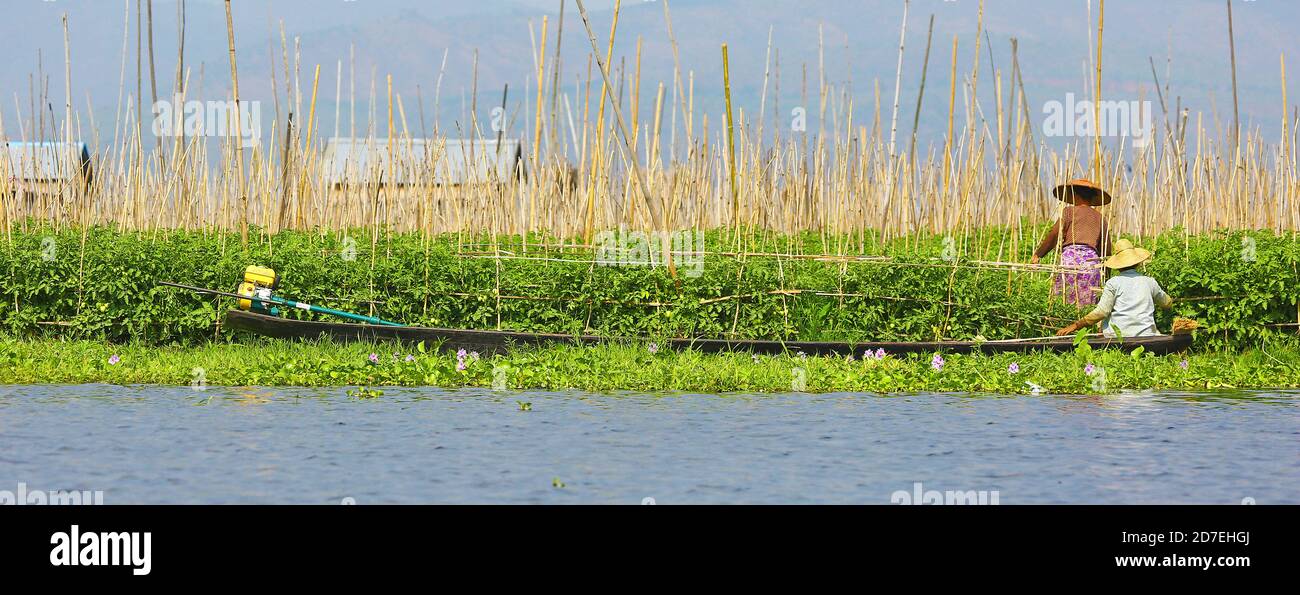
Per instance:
{"type": "Point", "coordinates": [101, 285]}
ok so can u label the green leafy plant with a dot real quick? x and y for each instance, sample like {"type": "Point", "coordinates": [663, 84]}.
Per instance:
{"type": "Point", "coordinates": [105, 289]}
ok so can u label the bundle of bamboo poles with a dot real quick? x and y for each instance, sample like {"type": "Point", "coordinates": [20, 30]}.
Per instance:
{"type": "Point", "coordinates": [597, 158]}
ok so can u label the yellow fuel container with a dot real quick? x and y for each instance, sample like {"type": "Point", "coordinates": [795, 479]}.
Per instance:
{"type": "Point", "coordinates": [261, 276]}
{"type": "Point", "coordinates": [258, 282]}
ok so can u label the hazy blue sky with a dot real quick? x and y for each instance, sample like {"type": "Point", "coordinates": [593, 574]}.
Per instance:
{"type": "Point", "coordinates": [407, 40]}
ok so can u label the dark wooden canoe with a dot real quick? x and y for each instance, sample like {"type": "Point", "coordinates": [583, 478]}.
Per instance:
{"type": "Point", "coordinates": [500, 341]}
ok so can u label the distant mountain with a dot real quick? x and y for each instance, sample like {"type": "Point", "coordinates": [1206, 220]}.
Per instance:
{"type": "Point", "coordinates": [407, 39]}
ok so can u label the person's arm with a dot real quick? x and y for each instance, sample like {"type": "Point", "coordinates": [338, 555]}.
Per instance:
{"type": "Point", "coordinates": [1048, 243]}
{"type": "Point", "coordinates": [1104, 307]}
{"type": "Point", "coordinates": [1161, 298]}
{"type": "Point", "coordinates": [1097, 315]}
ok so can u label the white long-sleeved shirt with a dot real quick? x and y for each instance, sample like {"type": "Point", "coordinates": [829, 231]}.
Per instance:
{"type": "Point", "coordinates": [1128, 305]}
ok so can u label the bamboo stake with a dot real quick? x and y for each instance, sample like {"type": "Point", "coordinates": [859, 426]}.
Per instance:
{"type": "Point", "coordinates": [731, 140]}
{"type": "Point", "coordinates": [596, 156]}
{"type": "Point", "coordinates": [898, 79]}
{"type": "Point", "coordinates": [71, 159]}
{"type": "Point", "coordinates": [1236, 113]}
{"type": "Point", "coordinates": [925, 71]}
{"type": "Point", "coordinates": [153, 79]}
{"type": "Point", "coordinates": [239, 146]}
{"type": "Point", "coordinates": [1098, 168]}
{"type": "Point", "coordinates": [656, 212]}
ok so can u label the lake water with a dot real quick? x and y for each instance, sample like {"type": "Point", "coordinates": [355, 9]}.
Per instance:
{"type": "Point", "coordinates": [179, 445]}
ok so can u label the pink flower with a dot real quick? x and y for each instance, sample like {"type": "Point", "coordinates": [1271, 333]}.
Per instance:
{"type": "Point", "coordinates": [880, 353]}
{"type": "Point", "coordinates": [374, 358]}
{"type": "Point", "coordinates": [1089, 369]}
{"type": "Point", "coordinates": [937, 363]}
{"type": "Point", "coordinates": [1014, 368]}
{"type": "Point", "coordinates": [410, 358]}
{"type": "Point", "coordinates": [113, 359]}
{"type": "Point", "coordinates": [653, 348]}
{"type": "Point", "coordinates": [1184, 364]}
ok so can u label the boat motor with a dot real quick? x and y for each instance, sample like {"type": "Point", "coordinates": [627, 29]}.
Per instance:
{"type": "Point", "coordinates": [259, 282]}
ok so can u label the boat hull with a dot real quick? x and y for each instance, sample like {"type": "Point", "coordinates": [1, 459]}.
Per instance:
{"type": "Point", "coordinates": [501, 341]}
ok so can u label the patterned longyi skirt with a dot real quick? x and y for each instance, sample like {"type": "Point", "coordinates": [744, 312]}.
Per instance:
{"type": "Point", "coordinates": [1082, 286]}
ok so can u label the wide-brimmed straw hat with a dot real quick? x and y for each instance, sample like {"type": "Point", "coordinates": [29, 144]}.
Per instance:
{"type": "Point", "coordinates": [1083, 190]}
{"type": "Point", "coordinates": [1127, 255]}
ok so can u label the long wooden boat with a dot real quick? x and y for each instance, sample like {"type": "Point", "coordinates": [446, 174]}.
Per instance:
{"type": "Point", "coordinates": [500, 341]}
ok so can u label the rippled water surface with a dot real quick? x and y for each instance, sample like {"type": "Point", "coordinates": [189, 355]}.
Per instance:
{"type": "Point", "coordinates": [178, 445]}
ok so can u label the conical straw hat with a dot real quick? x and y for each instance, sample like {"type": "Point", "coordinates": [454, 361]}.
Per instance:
{"type": "Point", "coordinates": [1082, 190]}
{"type": "Point", "coordinates": [1127, 255]}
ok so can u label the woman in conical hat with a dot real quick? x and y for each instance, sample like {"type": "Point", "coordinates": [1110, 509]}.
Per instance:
{"type": "Point", "coordinates": [1128, 302]}
{"type": "Point", "coordinates": [1083, 238]}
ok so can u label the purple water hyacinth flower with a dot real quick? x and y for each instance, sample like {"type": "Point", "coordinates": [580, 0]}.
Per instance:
{"type": "Point", "coordinates": [1014, 368]}
{"type": "Point", "coordinates": [653, 348]}
{"type": "Point", "coordinates": [937, 363]}
{"type": "Point", "coordinates": [460, 365]}
{"type": "Point", "coordinates": [880, 353]}
{"type": "Point", "coordinates": [473, 356]}
{"type": "Point", "coordinates": [374, 358]}
{"type": "Point", "coordinates": [1184, 364]}
{"type": "Point", "coordinates": [113, 359]}
{"type": "Point", "coordinates": [410, 358]}
{"type": "Point", "coordinates": [1089, 369]}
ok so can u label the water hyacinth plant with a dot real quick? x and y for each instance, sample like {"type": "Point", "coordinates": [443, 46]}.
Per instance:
{"type": "Point", "coordinates": [623, 367]}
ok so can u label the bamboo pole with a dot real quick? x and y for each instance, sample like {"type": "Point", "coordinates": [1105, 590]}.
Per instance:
{"type": "Point", "coordinates": [537, 128]}
{"type": "Point", "coordinates": [925, 71]}
{"type": "Point", "coordinates": [239, 146]}
{"type": "Point", "coordinates": [656, 212]}
{"type": "Point", "coordinates": [308, 149]}
{"type": "Point", "coordinates": [596, 155]}
{"type": "Point", "coordinates": [1098, 168]}
{"type": "Point", "coordinates": [70, 158]}
{"type": "Point", "coordinates": [1236, 112]}
{"type": "Point", "coordinates": [731, 141]}
{"type": "Point", "coordinates": [898, 79]}
{"type": "Point", "coordinates": [153, 79]}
